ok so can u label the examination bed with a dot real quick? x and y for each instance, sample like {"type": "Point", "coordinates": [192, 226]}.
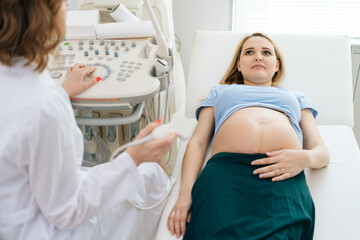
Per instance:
{"type": "Point", "coordinates": [319, 66]}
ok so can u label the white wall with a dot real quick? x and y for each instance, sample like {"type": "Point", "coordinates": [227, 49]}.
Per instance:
{"type": "Point", "coordinates": [191, 15]}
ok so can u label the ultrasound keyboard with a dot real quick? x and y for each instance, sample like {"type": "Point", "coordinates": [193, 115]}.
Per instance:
{"type": "Point", "coordinates": [124, 67]}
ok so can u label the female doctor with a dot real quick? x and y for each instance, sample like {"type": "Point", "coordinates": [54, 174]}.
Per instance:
{"type": "Point", "coordinates": [43, 192]}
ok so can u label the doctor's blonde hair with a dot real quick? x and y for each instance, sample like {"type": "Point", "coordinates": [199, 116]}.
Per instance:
{"type": "Point", "coordinates": [232, 75]}
{"type": "Point", "coordinates": [31, 29]}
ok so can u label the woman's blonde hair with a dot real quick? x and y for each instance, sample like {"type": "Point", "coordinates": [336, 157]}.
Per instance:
{"type": "Point", "coordinates": [31, 29]}
{"type": "Point", "coordinates": [232, 75]}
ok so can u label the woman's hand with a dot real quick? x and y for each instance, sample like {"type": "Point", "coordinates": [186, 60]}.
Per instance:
{"type": "Point", "coordinates": [76, 82]}
{"type": "Point", "coordinates": [179, 216]}
{"type": "Point", "coordinates": [151, 151]}
{"type": "Point", "coordinates": [282, 164]}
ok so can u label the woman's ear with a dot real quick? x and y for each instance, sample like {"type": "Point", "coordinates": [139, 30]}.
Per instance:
{"type": "Point", "coordinates": [238, 65]}
{"type": "Point", "coordinates": [277, 65]}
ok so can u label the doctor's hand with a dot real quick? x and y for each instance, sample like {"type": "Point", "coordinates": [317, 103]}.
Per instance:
{"type": "Point", "coordinates": [179, 216]}
{"type": "Point", "coordinates": [151, 151]}
{"type": "Point", "coordinates": [282, 164]}
{"type": "Point", "coordinates": [77, 79]}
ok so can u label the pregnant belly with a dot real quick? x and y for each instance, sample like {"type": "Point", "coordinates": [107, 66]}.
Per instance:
{"type": "Point", "coordinates": [256, 130]}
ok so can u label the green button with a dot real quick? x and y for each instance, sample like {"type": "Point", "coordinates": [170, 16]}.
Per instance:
{"type": "Point", "coordinates": [66, 43]}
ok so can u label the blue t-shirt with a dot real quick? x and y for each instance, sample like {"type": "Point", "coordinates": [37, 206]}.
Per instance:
{"type": "Point", "coordinates": [227, 99]}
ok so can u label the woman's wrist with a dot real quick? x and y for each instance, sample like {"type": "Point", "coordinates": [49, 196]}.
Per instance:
{"type": "Point", "coordinates": [308, 158]}
{"type": "Point", "coordinates": [317, 157]}
{"type": "Point", "coordinates": [185, 193]}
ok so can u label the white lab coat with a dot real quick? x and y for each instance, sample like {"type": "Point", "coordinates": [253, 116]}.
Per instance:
{"type": "Point", "coordinates": [43, 192]}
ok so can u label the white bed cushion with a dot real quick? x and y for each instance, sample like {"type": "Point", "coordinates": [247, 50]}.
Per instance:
{"type": "Point", "coordinates": [321, 75]}
{"type": "Point", "coordinates": [336, 188]}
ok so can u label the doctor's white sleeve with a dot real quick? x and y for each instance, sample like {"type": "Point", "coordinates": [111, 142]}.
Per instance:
{"type": "Point", "coordinates": [64, 194]}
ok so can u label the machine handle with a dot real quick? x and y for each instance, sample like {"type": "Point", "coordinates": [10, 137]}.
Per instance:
{"type": "Point", "coordinates": [111, 121]}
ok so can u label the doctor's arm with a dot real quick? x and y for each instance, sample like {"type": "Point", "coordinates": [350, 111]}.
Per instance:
{"type": "Point", "coordinates": [151, 151]}
{"type": "Point", "coordinates": [192, 164]}
{"type": "Point", "coordinates": [67, 196]}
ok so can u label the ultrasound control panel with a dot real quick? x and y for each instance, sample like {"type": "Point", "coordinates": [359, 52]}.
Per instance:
{"type": "Point", "coordinates": [123, 65]}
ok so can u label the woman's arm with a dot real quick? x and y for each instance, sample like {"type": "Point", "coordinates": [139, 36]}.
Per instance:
{"type": "Point", "coordinates": [196, 150]}
{"type": "Point", "coordinates": [286, 163]}
{"type": "Point", "coordinates": [318, 154]}
{"type": "Point", "coordinates": [192, 164]}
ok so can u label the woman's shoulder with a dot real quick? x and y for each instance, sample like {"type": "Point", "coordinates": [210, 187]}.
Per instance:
{"type": "Point", "coordinates": [295, 92]}
{"type": "Point", "coordinates": [220, 87]}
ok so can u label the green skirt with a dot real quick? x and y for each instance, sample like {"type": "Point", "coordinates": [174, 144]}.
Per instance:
{"type": "Point", "coordinates": [229, 202]}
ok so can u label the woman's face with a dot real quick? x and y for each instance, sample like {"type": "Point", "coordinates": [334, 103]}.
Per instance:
{"type": "Point", "coordinates": [258, 62]}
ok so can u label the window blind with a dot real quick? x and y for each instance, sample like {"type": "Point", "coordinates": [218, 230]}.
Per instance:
{"type": "Point", "coordinates": [293, 16]}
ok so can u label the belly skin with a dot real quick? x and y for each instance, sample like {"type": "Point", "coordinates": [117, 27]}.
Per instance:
{"type": "Point", "coordinates": [256, 130]}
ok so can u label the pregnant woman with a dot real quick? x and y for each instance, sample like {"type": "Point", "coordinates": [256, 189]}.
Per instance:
{"type": "Point", "coordinates": [263, 136]}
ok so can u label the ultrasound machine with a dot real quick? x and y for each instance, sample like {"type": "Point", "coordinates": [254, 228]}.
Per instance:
{"type": "Point", "coordinates": [137, 63]}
